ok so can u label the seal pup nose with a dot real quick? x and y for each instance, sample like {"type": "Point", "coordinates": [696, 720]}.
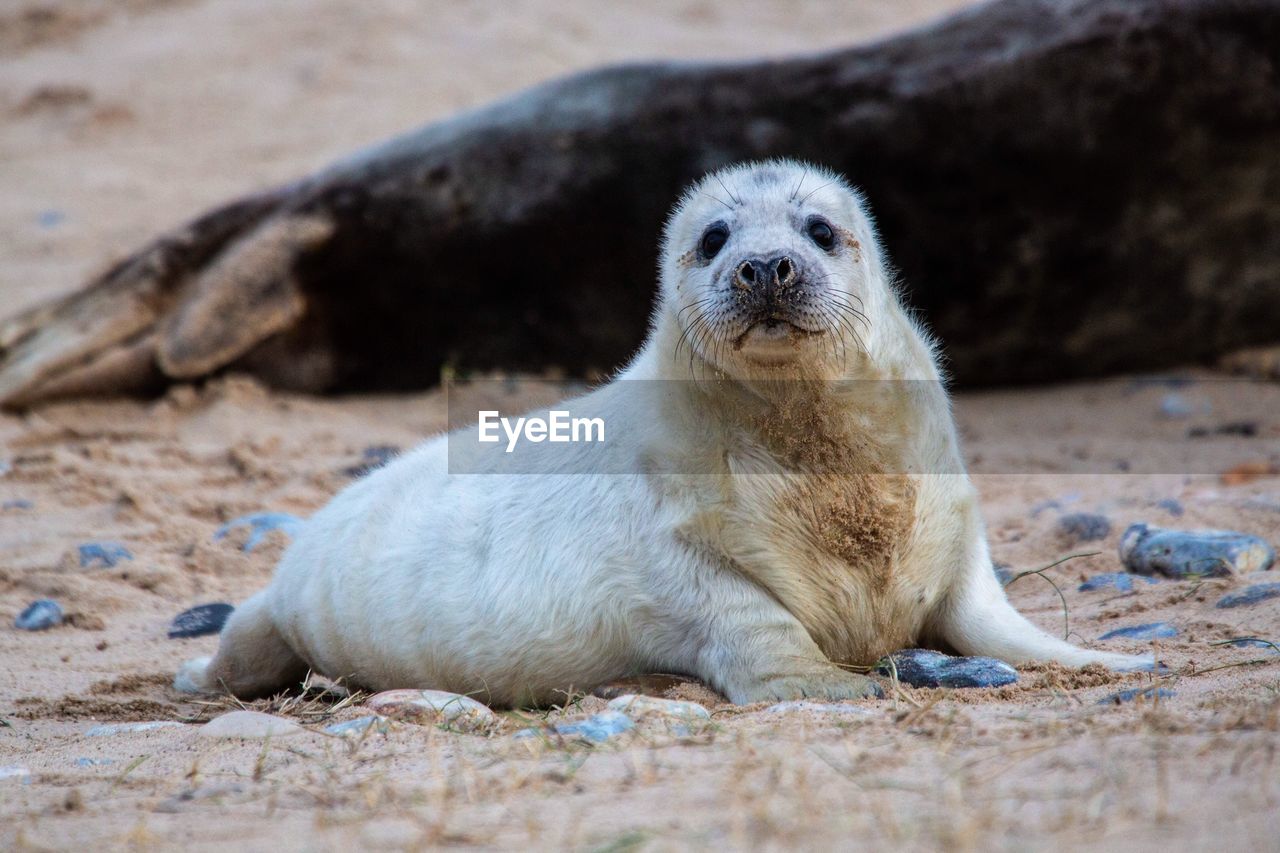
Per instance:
{"type": "Point", "coordinates": [776, 274]}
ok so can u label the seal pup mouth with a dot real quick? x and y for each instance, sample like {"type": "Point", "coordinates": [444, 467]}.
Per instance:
{"type": "Point", "coordinates": [773, 332]}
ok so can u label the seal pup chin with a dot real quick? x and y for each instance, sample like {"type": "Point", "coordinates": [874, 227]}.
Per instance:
{"type": "Point", "coordinates": [792, 501]}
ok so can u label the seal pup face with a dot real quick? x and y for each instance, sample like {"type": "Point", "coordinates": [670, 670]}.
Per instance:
{"type": "Point", "coordinates": [772, 266]}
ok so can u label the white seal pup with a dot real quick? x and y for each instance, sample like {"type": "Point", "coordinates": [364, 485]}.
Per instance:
{"type": "Point", "coordinates": [788, 501]}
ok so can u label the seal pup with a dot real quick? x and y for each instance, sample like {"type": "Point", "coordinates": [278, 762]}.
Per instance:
{"type": "Point", "coordinates": [786, 500]}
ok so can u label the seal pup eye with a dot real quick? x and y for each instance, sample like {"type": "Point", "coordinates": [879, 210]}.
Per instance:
{"type": "Point", "coordinates": [713, 240]}
{"type": "Point", "coordinates": [821, 233]}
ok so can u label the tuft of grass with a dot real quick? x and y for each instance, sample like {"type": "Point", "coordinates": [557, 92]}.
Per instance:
{"type": "Point", "coordinates": [1066, 611]}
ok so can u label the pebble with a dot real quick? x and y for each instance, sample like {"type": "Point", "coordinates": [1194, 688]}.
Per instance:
{"type": "Point", "coordinates": [39, 615]}
{"type": "Point", "coordinates": [1132, 693]}
{"type": "Point", "coordinates": [1250, 595]}
{"type": "Point", "coordinates": [260, 524]}
{"type": "Point", "coordinates": [372, 459]}
{"type": "Point", "coordinates": [1176, 406]}
{"type": "Point", "coordinates": [642, 706]}
{"type": "Point", "coordinates": [50, 218]}
{"type": "Point", "coordinates": [103, 555]}
{"type": "Point", "coordinates": [1150, 631]}
{"type": "Point", "coordinates": [426, 707]}
{"type": "Point", "coordinates": [93, 762]}
{"type": "Point", "coordinates": [20, 503]}
{"type": "Point", "coordinates": [18, 774]}
{"type": "Point", "coordinates": [803, 705]}
{"type": "Point", "coordinates": [1171, 506]}
{"type": "Point", "coordinates": [200, 620]}
{"type": "Point", "coordinates": [126, 728]}
{"type": "Point", "coordinates": [1117, 580]}
{"type": "Point", "coordinates": [358, 726]}
{"type": "Point", "coordinates": [250, 724]}
{"type": "Point", "coordinates": [1058, 504]}
{"type": "Point", "coordinates": [597, 728]}
{"type": "Point", "coordinates": [925, 668]}
{"type": "Point", "coordinates": [1148, 550]}
{"type": "Point", "coordinates": [1084, 526]}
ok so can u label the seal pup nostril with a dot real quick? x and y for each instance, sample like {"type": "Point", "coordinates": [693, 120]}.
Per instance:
{"type": "Point", "coordinates": [784, 271]}
{"type": "Point", "coordinates": [747, 274]}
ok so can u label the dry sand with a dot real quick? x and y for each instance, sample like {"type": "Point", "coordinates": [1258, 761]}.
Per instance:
{"type": "Point", "coordinates": [124, 117]}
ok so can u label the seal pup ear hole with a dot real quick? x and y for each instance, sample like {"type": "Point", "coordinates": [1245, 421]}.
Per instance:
{"type": "Point", "coordinates": [713, 240]}
{"type": "Point", "coordinates": [821, 233]}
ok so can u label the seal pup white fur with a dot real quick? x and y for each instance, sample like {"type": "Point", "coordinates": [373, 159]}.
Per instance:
{"type": "Point", "coordinates": [793, 501]}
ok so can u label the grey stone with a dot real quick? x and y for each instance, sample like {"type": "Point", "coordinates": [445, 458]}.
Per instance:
{"type": "Point", "coordinates": [260, 524]}
{"type": "Point", "coordinates": [358, 726]}
{"type": "Point", "coordinates": [636, 705]}
{"type": "Point", "coordinates": [1147, 550]}
{"type": "Point", "coordinates": [1250, 595]}
{"type": "Point", "coordinates": [372, 459]}
{"type": "Point", "coordinates": [1149, 631]}
{"type": "Point", "coordinates": [430, 707]}
{"type": "Point", "coordinates": [39, 615]}
{"type": "Point", "coordinates": [104, 555]}
{"type": "Point", "coordinates": [596, 729]}
{"type": "Point", "coordinates": [250, 725]}
{"type": "Point", "coordinates": [1084, 526]}
{"type": "Point", "coordinates": [925, 668]}
{"type": "Point", "coordinates": [200, 620]}
{"type": "Point", "coordinates": [1121, 581]}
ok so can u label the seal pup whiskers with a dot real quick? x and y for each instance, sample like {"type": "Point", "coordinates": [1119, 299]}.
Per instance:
{"type": "Point", "coordinates": [792, 501]}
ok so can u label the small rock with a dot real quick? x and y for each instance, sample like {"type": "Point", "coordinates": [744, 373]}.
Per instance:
{"type": "Point", "coordinates": [108, 729]}
{"type": "Point", "coordinates": [1150, 631]}
{"type": "Point", "coordinates": [1250, 595]}
{"type": "Point", "coordinates": [250, 725]}
{"type": "Point", "coordinates": [1132, 693]}
{"type": "Point", "coordinates": [200, 620]}
{"type": "Point", "coordinates": [50, 218]}
{"type": "Point", "coordinates": [1114, 580]}
{"type": "Point", "coordinates": [19, 503]}
{"type": "Point", "coordinates": [260, 524]}
{"type": "Point", "coordinates": [804, 705]}
{"type": "Point", "coordinates": [1084, 526]}
{"type": "Point", "coordinates": [642, 706]}
{"type": "Point", "coordinates": [373, 458]}
{"type": "Point", "coordinates": [1176, 406]}
{"type": "Point", "coordinates": [93, 762]}
{"type": "Point", "coordinates": [925, 668]}
{"type": "Point", "coordinates": [596, 729]}
{"type": "Point", "coordinates": [1170, 506]}
{"type": "Point", "coordinates": [16, 774]}
{"type": "Point", "coordinates": [358, 726]}
{"type": "Point", "coordinates": [427, 707]}
{"type": "Point", "coordinates": [102, 555]}
{"type": "Point", "coordinates": [39, 615]}
{"type": "Point", "coordinates": [1055, 504]}
{"type": "Point", "coordinates": [1148, 550]}
{"type": "Point", "coordinates": [1243, 429]}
